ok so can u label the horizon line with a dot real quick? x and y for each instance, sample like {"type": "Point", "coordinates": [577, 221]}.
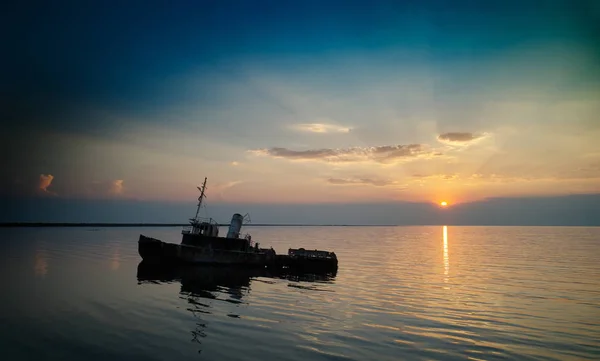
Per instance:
{"type": "Point", "coordinates": [141, 224]}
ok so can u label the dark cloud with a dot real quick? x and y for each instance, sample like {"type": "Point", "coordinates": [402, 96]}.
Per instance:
{"type": "Point", "coordinates": [303, 154]}
{"type": "Point", "coordinates": [69, 59]}
{"type": "Point", "coordinates": [458, 137]}
{"type": "Point", "coordinates": [381, 154]}
{"type": "Point", "coordinates": [361, 181]}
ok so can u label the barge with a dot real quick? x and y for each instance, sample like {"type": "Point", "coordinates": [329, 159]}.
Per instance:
{"type": "Point", "coordinates": [201, 244]}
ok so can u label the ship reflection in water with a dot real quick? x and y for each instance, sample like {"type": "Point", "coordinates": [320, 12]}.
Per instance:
{"type": "Point", "coordinates": [201, 283]}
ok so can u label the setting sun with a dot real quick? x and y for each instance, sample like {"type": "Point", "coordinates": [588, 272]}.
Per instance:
{"type": "Point", "coordinates": [443, 203]}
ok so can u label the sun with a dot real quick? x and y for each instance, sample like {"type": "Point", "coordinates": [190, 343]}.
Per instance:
{"type": "Point", "coordinates": [444, 204]}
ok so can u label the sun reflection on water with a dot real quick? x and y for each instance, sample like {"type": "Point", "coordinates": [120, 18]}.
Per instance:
{"type": "Point", "coordinates": [446, 259]}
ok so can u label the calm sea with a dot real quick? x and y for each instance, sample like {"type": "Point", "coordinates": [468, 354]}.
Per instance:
{"type": "Point", "coordinates": [400, 293]}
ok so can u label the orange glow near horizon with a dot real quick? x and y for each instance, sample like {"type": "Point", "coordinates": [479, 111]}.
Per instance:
{"type": "Point", "coordinates": [444, 204]}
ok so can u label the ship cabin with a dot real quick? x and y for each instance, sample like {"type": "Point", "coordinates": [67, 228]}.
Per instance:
{"type": "Point", "coordinates": [202, 227]}
{"type": "Point", "coordinates": [204, 233]}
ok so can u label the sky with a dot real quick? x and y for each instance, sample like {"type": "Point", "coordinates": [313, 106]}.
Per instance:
{"type": "Point", "coordinates": [312, 108]}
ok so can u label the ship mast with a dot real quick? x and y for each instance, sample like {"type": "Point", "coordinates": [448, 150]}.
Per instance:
{"type": "Point", "coordinates": [195, 220]}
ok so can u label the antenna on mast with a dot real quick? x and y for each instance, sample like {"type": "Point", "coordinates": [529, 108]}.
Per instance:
{"type": "Point", "coordinates": [202, 195]}
{"type": "Point", "coordinates": [247, 218]}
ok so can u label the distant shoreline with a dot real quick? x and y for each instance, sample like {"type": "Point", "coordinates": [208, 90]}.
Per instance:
{"type": "Point", "coordinates": [60, 224]}
{"type": "Point", "coordinates": [131, 225]}
{"type": "Point", "coordinates": [57, 224]}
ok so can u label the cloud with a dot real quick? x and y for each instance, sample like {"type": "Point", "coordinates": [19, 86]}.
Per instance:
{"type": "Point", "coordinates": [223, 186]}
{"type": "Point", "coordinates": [459, 137]}
{"type": "Point", "coordinates": [45, 182]}
{"type": "Point", "coordinates": [435, 176]}
{"type": "Point", "coordinates": [487, 177]}
{"type": "Point", "coordinates": [362, 181]}
{"type": "Point", "coordinates": [321, 128]}
{"type": "Point", "coordinates": [507, 177]}
{"type": "Point", "coordinates": [116, 187]}
{"type": "Point", "coordinates": [220, 189]}
{"type": "Point", "coordinates": [381, 154]}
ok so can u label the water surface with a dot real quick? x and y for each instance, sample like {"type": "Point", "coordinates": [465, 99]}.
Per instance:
{"type": "Point", "coordinates": [411, 293]}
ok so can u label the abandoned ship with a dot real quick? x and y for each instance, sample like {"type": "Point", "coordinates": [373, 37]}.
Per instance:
{"type": "Point", "coordinates": [201, 244]}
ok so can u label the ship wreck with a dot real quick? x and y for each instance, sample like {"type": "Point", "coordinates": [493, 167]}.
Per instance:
{"type": "Point", "coordinates": [201, 244]}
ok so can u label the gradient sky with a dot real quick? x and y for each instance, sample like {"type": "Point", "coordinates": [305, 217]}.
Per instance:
{"type": "Point", "coordinates": [301, 102]}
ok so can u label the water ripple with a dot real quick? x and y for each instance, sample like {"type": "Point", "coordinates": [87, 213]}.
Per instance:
{"type": "Point", "coordinates": [415, 293]}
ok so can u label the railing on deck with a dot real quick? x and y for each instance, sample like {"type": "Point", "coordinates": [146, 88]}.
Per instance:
{"type": "Point", "coordinates": [310, 254]}
{"type": "Point", "coordinates": [205, 220]}
{"type": "Point", "coordinates": [198, 221]}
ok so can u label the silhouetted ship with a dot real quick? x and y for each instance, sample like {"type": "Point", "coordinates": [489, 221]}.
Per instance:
{"type": "Point", "coordinates": [201, 244]}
